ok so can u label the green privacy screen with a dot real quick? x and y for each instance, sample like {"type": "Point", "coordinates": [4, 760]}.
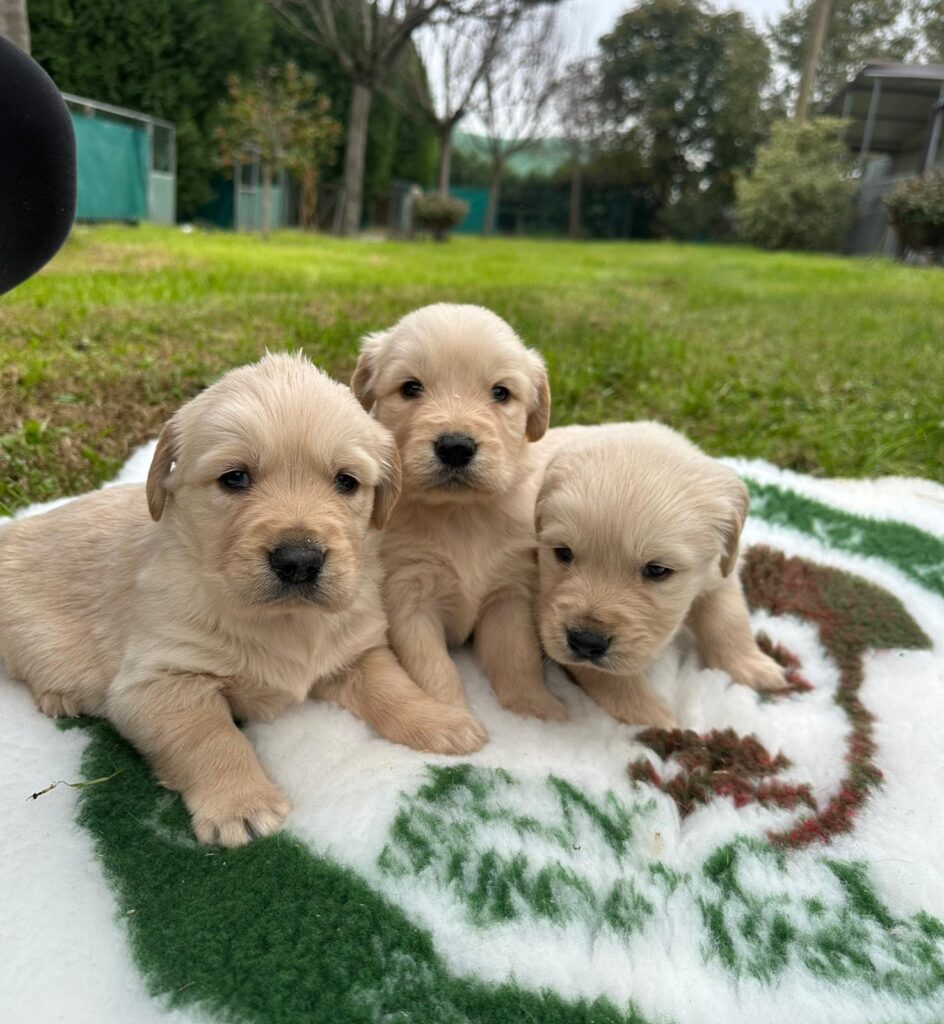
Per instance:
{"type": "Point", "coordinates": [113, 169]}
{"type": "Point", "coordinates": [477, 198]}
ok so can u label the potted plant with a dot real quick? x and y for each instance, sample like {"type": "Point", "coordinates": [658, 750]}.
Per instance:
{"type": "Point", "coordinates": [916, 212]}
{"type": "Point", "coordinates": [438, 213]}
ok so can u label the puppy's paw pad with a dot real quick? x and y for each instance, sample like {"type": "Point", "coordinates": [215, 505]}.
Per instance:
{"type": "Point", "coordinates": [56, 705]}
{"type": "Point", "coordinates": [235, 819]}
{"type": "Point", "coordinates": [459, 733]}
{"type": "Point", "coordinates": [537, 704]}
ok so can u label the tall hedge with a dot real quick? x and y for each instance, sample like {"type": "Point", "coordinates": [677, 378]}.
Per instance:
{"type": "Point", "coordinates": [172, 58]}
{"type": "Point", "coordinates": [168, 58]}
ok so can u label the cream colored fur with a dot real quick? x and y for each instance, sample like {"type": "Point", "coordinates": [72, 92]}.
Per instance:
{"type": "Point", "coordinates": [621, 496]}
{"type": "Point", "coordinates": [172, 624]}
{"type": "Point", "coordinates": [459, 555]}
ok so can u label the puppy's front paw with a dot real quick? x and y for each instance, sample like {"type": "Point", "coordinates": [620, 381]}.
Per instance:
{"type": "Point", "coordinates": [56, 705]}
{"type": "Point", "coordinates": [759, 671]}
{"type": "Point", "coordinates": [536, 703]}
{"type": "Point", "coordinates": [235, 816]}
{"type": "Point", "coordinates": [657, 716]}
{"type": "Point", "coordinates": [445, 688]}
{"type": "Point", "coordinates": [454, 732]}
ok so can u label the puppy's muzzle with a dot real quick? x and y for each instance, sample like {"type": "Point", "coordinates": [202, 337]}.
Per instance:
{"type": "Point", "coordinates": [455, 451]}
{"type": "Point", "coordinates": [297, 565]}
{"type": "Point", "coordinates": [587, 645]}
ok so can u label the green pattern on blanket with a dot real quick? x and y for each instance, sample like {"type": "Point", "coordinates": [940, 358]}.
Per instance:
{"type": "Point", "coordinates": [273, 932]}
{"type": "Point", "coordinates": [917, 554]}
{"type": "Point", "coordinates": [447, 836]}
{"type": "Point", "coordinates": [434, 836]}
{"type": "Point", "coordinates": [845, 933]}
{"type": "Point", "coordinates": [277, 932]}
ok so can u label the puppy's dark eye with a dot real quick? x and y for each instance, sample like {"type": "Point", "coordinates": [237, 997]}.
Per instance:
{"type": "Point", "coordinates": [654, 571]}
{"type": "Point", "coordinates": [411, 389]}
{"type": "Point", "coordinates": [235, 480]}
{"type": "Point", "coordinates": [500, 393]}
{"type": "Point", "coordinates": [346, 484]}
{"type": "Point", "coordinates": [564, 555]}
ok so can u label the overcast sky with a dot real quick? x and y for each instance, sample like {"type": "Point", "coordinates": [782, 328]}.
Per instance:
{"type": "Point", "coordinates": [584, 21]}
{"type": "Point", "coordinates": [590, 19]}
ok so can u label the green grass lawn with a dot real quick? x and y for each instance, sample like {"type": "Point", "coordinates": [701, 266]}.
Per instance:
{"type": "Point", "coordinates": [822, 364]}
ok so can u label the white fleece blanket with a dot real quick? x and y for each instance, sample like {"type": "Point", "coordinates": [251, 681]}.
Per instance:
{"type": "Point", "coordinates": [782, 862]}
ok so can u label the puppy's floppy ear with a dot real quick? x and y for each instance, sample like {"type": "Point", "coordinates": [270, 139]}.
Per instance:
{"type": "Point", "coordinates": [547, 485]}
{"type": "Point", "coordinates": [738, 502]}
{"type": "Point", "coordinates": [388, 486]}
{"type": "Point", "coordinates": [168, 445]}
{"type": "Point", "coordinates": [539, 414]}
{"type": "Point", "coordinates": [364, 381]}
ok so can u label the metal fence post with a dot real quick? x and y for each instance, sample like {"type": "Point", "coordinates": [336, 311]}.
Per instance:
{"type": "Point", "coordinates": [870, 123]}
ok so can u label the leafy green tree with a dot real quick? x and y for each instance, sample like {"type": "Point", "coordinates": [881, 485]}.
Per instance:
{"type": "Point", "coordinates": [168, 58]}
{"type": "Point", "coordinates": [926, 18]}
{"type": "Point", "coordinates": [689, 83]}
{"type": "Point", "coordinates": [801, 194]}
{"type": "Point", "coordinates": [280, 116]}
{"type": "Point", "coordinates": [858, 30]}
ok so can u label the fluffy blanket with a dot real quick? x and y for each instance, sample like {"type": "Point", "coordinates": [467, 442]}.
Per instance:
{"type": "Point", "coordinates": [782, 860]}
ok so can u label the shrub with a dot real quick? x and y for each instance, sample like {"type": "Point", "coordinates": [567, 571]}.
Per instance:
{"type": "Point", "coordinates": [916, 211]}
{"type": "Point", "coordinates": [801, 193]}
{"type": "Point", "coordinates": [438, 213]}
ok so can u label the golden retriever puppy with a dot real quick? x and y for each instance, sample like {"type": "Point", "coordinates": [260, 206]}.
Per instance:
{"type": "Point", "coordinates": [464, 399]}
{"type": "Point", "coordinates": [244, 577]}
{"type": "Point", "coordinates": [638, 534]}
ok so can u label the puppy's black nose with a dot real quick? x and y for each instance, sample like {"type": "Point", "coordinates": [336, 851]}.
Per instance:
{"type": "Point", "coordinates": [296, 563]}
{"type": "Point", "coordinates": [586, 644]}
{"type": "Point", "coordinates": [455, 450]}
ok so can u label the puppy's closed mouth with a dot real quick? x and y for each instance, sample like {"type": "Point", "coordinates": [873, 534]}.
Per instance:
{"type": "Point", "coordinates": [455, 480]}
{"type": "Point", "coordinates": [307, 593]}
{"type": "Point", "coordinates": [603, 663]}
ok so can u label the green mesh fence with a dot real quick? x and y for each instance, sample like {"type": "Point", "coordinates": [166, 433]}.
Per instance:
{"type": "Point", "coordinates": [114, 160]}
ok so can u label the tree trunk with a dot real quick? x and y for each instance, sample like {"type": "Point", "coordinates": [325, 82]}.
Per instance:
{"type": "Point", "coordinates": [237, 174]}
{"type": "Point", "coordinates": [494, 191]}
{"type": "Point", "coordinates": [821, 16]}
{"type": "Point", "coordinates": [266, 200]}
{"type": "Point", "coordinates": [576, 173]}
{"type": "Point", "coordinates": [355, 149]}
{"type": "Point", "coordinates": [445, 160]}
{"type": "Point", "coordinates": [309, 199]}
{"type": "Point", "coordinates": [14, 23]}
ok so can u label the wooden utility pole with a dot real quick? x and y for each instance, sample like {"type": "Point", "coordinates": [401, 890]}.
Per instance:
{"type": "Point", "coordinates": [807, 81]}
{"type": "Point", "coordinates": [14, 23]}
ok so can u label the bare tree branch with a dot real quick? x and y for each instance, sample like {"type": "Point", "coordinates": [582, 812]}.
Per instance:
{"type": "Point", "coordinates": [519, 86]}
{"type": "Point", "coordinates": [517, 91]}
